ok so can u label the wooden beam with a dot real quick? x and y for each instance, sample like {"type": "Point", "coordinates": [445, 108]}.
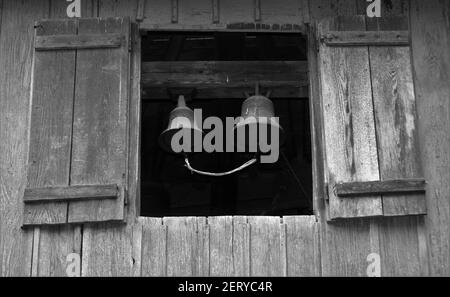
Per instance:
{"type": "Point", "coordinates": [71, 193]}
{"type": "Point", "coordinates": [61, 42]}
{"type": "Point", "coordinates": [225, 79]}
{"type": "Point", "coordinates": [400, 186]}
{"type": "Point", "coordinates": [361, 38]}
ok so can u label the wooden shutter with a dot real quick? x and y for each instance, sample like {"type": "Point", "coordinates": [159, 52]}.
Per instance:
{"type": "Point", "coordinates": [79, 122]}
{"type": "Point", "coordinates": [370, 123]}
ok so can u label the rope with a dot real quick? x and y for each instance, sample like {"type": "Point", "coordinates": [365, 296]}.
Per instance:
{"type": "Point", "coordinates": [242, 167]}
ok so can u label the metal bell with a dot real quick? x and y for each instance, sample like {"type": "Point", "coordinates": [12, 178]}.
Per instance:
{"type": "Point", "coordinates": [182, 117]}
{"type": "Point", "coordinates": [257, 111]}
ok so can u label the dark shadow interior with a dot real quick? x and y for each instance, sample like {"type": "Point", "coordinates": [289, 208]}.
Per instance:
{"type": "Point", "coordinates": [169, 189]}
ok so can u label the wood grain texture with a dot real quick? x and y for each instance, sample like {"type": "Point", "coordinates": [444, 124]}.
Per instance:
{"type": "Point", "coordinates": [71, 193]}
{"type": "Point", "coordinates": [53, 246]}
{"type": "Point", "coordinates": [64, 42]}
{"type": "Point", "coordinates": [100, 129]}
{"type": "Point", "coordinates": [430, 29]}
{"type": "Point", "coordinates": [399, 249]}
{"type": "Point", "coordinates": [108, 250]}
{"type": "Point", "coordinates": [302, 246]}
{"type": "Point", "coordinates": [51, 123]}
{"type": "Point", "coordinates": [398, 187]}
{"type": "Point", "coordinates": [154, 247]}
{"type": "Point", "coordinates": [224, 79]}
{"type": "Point", "coordinates": [15, 79]}
{"type": "Point", "coordinates": [350, 141]}
{"type": "Point", "coordinates": [221, 246]}
{"type": "Point", "coordinates": [267, 246]}
{"type": "Point", "coordinates": [396, 119]}
{"type": "Point", "coordinates": [187, 246]}
{"type": "Point", "coordinates": [360, 38]}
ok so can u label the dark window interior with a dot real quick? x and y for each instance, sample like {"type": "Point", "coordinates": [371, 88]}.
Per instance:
{"type": "Point", "coordinates": [169, 189]}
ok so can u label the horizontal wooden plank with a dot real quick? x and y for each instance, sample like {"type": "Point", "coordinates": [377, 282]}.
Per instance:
{"type": "Point", "coordinates": [225, 79]}
{"type": "Point", "coordinates": [61, 42]}
{"type": "Point", "coordinates": [226, 27]}
{"type": "Point", "coordinates": [71, 193]}
{"type": "Point", "coordinates": [360, 38]}
{"type": "Point", "coordinates": [380, 187]}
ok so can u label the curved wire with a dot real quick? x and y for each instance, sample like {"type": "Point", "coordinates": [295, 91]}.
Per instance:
{"type": "Point", "coordinates": [242, 167]}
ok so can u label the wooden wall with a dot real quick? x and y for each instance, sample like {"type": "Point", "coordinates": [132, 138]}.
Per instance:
{"type": "Point", "coordinates": [225, 245]}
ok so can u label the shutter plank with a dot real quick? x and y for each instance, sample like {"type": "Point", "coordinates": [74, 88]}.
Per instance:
{"type": "Point", "coordinates": [51, 124]}
{"type": "Point", "coordinates": [350, 142]}
{"type": "Point", "coordinates": [100, 120]}
{"type": "Point", "coordinates": [395, 116]}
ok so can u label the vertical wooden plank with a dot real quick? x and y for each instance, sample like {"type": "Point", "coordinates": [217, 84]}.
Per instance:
{"type": "Point", "coordinates": [187, 246]}
{"type": "Point", "coordinates": [15, 81]}
{"type": "Point", "coordinates": [55, 244]}
{"type": "Point", "coordinates": [117, 8]}
{"type": "Point", "coordinates": [215, 11]}
{"type": "Point", "coordinates": [100, 129]}
{"type": "Point", "coordinates": [51, 123]}
{"type": "Point", "coordinates": [134, 195]}
{"type": "Point", "coordinates": [140, 10]}
{"type": "Point", "coordinates": [229, 13]}
{"type": "Point", "coordinates": [241, 246]}
{"type": "Point", "coordinates": [174, 11]}
{"type": "Point", "coordinates": [395, 118]}
{"type": "Point", "coordinates": [430, 34]}
{"type": "Point", "coordinates": [350, 141]}
{"type": "Point", "coordinates": [399, 247]}
{"type": "Point", "coordinates": [58, 8]}
{"type": "Point", "coordinates": [344, 248]}
{"type": "Point", "coordinates": [107, 250]}
{"type": "Point", "coordinates": [303, 249]}
{"type": "Point", "coordinates": [257, 10]}
{"type": "Point", "coordinates": [154, 247]}
{"type": "Point", "coordinates": [194, 13]}
{"type": "Point", "coordinates": [221, 246]}
{"type": "Point", "coordinates": [266, 247]}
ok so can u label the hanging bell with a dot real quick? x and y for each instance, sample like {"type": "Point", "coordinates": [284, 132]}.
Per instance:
{"type": "Point", "coordinates": [181, 118]}
{"type": "Point", "coordinates": [257, 120]}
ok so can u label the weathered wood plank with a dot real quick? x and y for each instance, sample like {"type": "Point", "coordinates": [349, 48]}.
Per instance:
{"type": "Point", "coordinates": [361, 38]}
{"type": "Point", "coordinates": [225, 79]}
{"type": "Point", "coordinates": [187, 246]}
{"type": "Point", "coordinates": [221, 246]}
{"type": "Point", "coordinates": [241, 246]}
{"type": "Point", "coordinates": [396, 119]}
{"type": "Point", "coordinates": [350, 140]}
{"type": "Point", "coordinates": [431, 58]}
{"type": "Point", "coordinates": [267, 246]}
{"type": "Point", "coordinates": [380, 187]}
{"type": "Point", "coordinates": [302, 245]}
{"type": "Point", "coordinates": [71, 193]}
{"type": "Point", "coordinates": [53, 247]}
{"type": "Point", "coordinates": [58, 9]}
{"type": "Point", "coordinates": [51, 124]}
{"type": "Point", "coordinates": [15, 82]}
{"type": "Point", "coordinates": [107, 250]}
{"type": "Point", "coordinates": [154, 247]}
{"type": "Point", "coordinates": [84, 41]}
{"type": "Point", "coordinates": [345, 246]}
{"type": "Point", "coordinates": [100, 129]}
{"type": "Point", "coordinates": [140, 10]}
{"type": "Point", "coordinates": [399, 249]}
{"type": "Point", "coordinates": [224, 73]}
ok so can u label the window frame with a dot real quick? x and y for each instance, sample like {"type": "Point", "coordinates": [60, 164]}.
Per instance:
{"type": "Point", "coordinates": [318, 182]}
